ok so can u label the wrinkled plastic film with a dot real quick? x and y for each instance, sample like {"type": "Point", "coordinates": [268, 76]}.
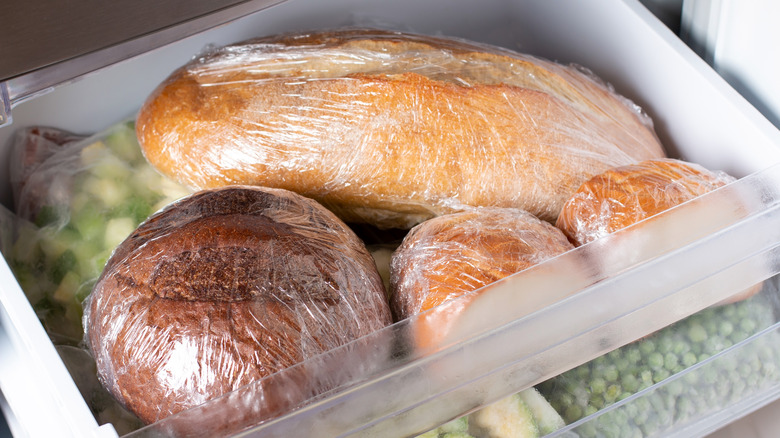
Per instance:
{"type": "Point", "coordinates": [76, 198]}
{"type": "Point", "coordinates": [31, 148]}
{"type": "Point", "coordinates": [223, 288]}
{"type": "Point", "coordinates": [451, 255]}
{"type": "Point", "coordinates": [388, 128]}
{"type": "Point", "coordinates": [625, 195]}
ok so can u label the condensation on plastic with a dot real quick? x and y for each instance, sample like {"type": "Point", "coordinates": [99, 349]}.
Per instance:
{"type": "Point", "coordinates": [625, 195]}
{"type": "Point", "coordinates": [450, 255]}
{"type": "Point", "coordinates": [391, 128]}
{"type": "Point", "coordinates": [223, 288]}
{"type": "Point", "coordinates": [76, 198]}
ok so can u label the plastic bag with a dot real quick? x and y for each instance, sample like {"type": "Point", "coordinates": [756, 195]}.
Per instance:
{"type": "Point", "coordinates": [76, 199]}
{"type": "Point", "coordinates": [388, 128]}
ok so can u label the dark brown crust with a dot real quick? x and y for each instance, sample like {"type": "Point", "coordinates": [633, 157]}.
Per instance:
{"type": "Point", "coordinates": [222, 289]}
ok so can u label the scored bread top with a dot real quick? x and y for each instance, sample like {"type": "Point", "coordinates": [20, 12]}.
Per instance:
{"type": "Point", "coordinates": [224, 288]}
{"type": "Point", "coordinates": [390, 128]}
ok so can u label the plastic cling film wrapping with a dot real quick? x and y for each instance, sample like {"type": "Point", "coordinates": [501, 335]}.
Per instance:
{"type": "Point", "coordinates": [389, 128]}
{"type": "Point", "coordinates": [628, 194]}
{"type": "Point", "coordinates": [75, 199]}
{"type": "Point", "coordinates": [452, 255]}
{"type": "Point", "coordinates": [223, 288]}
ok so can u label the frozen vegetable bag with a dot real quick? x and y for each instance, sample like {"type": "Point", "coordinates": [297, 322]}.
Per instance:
{"type": "Point", "coordinates": [76, 198]}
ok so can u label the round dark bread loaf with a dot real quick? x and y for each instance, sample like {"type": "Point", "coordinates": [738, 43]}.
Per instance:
{"type": "Point", "coordinates": [223, 288]}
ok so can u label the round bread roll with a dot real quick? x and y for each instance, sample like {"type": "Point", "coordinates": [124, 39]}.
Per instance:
{"type": "Point", "coordinates": [625, 195]}
{"type": "Point", "coordinates": [449, 256]}
{"type": "Point", "coordinates": [223, 288]}
{"type": "Point", "coordinates": [628, 194]}
{"type": "Point", "coordinates": [390, 128]}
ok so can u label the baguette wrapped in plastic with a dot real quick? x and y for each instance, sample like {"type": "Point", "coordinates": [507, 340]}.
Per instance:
{"type": "Point", "coordinates": [390, 128]}
{"type": "Point", "coordinates": [224, 288]}
{"type": "Point", "coordinates": [452, 255]}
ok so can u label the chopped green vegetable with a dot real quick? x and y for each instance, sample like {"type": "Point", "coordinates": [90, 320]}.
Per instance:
{"type": "Point", "coordinates": [124, 144]}
{"type": "Point", "coordinates": [57, 259]}
{"type": "Point", "coordinates": [117, 229]}
{"type": "Point", "coordinates": [547, 418]}
{"type": "Point", "coordinates": [48, 215]}
{"type": "Point", "coordinates": [457, 428]}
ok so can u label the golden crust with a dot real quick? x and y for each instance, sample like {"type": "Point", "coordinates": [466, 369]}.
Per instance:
{"type": "Point", "coordinates": [450, 256]}
{"type": "Point", "coordinates": [624, 195]}
{"type": "Point", "coordinates": [390, 128]}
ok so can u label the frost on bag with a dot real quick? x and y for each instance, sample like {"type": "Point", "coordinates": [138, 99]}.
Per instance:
{"type": "Point", "coordinates": [224, 288]}
{"type": "Point", "coordinates": [76, 198]}
{"type": "Point", "coordinates": [390, 128]}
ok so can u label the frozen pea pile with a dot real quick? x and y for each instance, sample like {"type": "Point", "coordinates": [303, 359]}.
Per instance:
{"type": "Point", "coordinates": [705, 386]}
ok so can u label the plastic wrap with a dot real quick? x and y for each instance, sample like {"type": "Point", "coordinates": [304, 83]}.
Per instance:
{"type": "Point", "coordinates": [391, 128]}
{"type": "Point", "coordinates": [628, 194]}
{"type": "Point", "coordinates": [452, 255]}
{"type": "Point", "coordinates": [223, 288]}
{"type": "Point", "coordinates": [76, 198]}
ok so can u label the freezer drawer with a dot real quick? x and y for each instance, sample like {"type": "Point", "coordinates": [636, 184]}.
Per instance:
{"type": "Point", "coordinates": [702, 252]}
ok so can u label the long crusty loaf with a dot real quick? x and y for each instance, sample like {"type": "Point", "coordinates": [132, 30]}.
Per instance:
{"type": "Point", "coordinates": [390, 128]}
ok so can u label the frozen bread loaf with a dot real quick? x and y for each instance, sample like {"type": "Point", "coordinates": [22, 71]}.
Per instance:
{"type": "Point", "coordinates": [222, 289]}
{"type": "Point", "coordinates": [390, 128]}
{"type": "Point", "coordinates": [449, 257]}
{"type": "Point", "coordinates": [628, 195]}
{"type": "Point", "coordinates": [622, 196]}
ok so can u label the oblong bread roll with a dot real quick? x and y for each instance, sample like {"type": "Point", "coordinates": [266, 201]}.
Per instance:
{"type": "Point", "coordinates": [449, 257]}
